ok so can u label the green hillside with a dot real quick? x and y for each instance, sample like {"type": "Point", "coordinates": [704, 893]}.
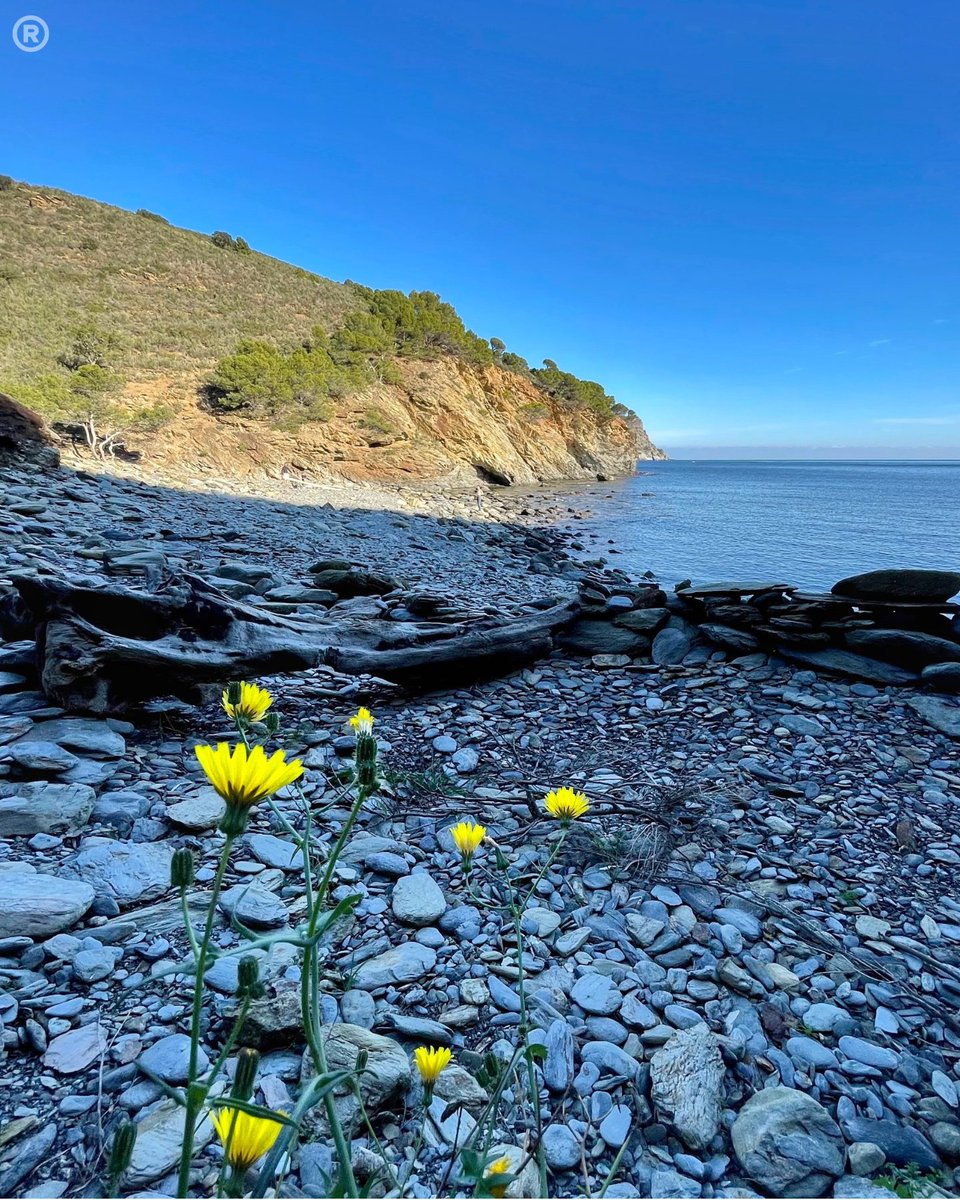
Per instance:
{"type": "Point", "coordinates": [170, 301]}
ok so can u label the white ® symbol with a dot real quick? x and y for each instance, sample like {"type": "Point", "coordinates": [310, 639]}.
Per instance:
{"type": "Point", "coordinates": [31, 34]}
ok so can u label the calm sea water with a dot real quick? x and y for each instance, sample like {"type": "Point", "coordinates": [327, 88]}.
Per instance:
{"type": "Point", "coordinates": [806, 523]}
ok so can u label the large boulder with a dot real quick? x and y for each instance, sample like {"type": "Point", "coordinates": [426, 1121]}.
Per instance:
{"type": "Point", "coordinates": [787, 1143]}
{"type": "Point", "coordinates": [685, 1076]}
{"type": "Point", "coordinates": [24, 437]}
{"type": "Point", "coordinates": [593, 635]}
{"type": "Point", "coordinates": [911, 586]}
{"type": "Point", "coordinates": [673, 644]}
{"type": "Point", "coordinates": [943, 677]}
{"type": "Point", "coordinates": [906, 647]}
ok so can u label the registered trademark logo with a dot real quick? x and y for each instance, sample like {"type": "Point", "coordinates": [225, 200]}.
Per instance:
{"type": "Point", "coordinates": [30, 34]}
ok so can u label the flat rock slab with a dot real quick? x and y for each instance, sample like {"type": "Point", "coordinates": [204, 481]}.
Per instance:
{"type": "Point", "coordinates": [130, 872]}
{"type": "Point", "coordinates": [941, 714]}
{"type": "Point", "coordinates": [733, 588]}
{"type": "Point", "coordinates": [76, 1049]}
{"type": "Point", "coordinates": [41, 757]}
{"type": "Point", "coordinates": [39, 906]}
{"type": "Point", "coordinates": [159, 1142]}
{"type": "Point", "coordinates": [79, 733]}
{"type": "Point", "coordinates": [30, 808]}
{"type": "Point", "coordinates": [907, 648]}
{"type": "Point", "coordinates": [844, 662]}
{"type": "Point", "coordinates": [686, 1075]}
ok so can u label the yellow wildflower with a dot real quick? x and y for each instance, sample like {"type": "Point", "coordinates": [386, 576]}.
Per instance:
{"type": "Point", "coordinates": [467, 837]}
{"type": "Point", "coordinates": [500, 1167]}
{"type": "Point", "coordinates": [566, 805]}
{"type": "Point", "coordinates": [245, 777]}
{"type": "Point", "coordinates": [252, 705]}
{"type": "Point", "coordinates": [363, 721]}
{"type": "Point", "coordinates": [431, 1060]}
{"type": "Point", "coordinates": [245, 1137]}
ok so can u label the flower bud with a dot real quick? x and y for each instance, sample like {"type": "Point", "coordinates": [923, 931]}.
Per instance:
{"type": "Point", "coordinates": [248, 977]}
{"type": "Point", "coordinates": [245, 1078]}
{"type": "Point", "coordinates": [234, 692]}
{"type": "Point", "coordinates": [366, 761]}
{"type": "Point", "coordinates": [363, 1057]}
{"type": "Point", "coordinates": [181, 869]}
{"type": "Point", "coordinates": [272, 723]}
{"type": "Point", "coordinates": [121, 1151]}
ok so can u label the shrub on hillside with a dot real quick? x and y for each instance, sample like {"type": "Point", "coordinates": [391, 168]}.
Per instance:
{"type": "Point", "coordinates": [91, 347]}
{"type": "Point", "coordinates": [574, 392]}
{"type": "Point", "coordinates": [152, 216]}
{"type": "Point", "coordinates": [262, 379]}
{"type": "Point", "coordinates": [7, 183]}
{"type": "Point", "coordinates": [226, 241]}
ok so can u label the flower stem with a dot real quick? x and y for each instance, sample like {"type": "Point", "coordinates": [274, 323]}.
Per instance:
{"type": "Point", "coordinates": [195, 1096]}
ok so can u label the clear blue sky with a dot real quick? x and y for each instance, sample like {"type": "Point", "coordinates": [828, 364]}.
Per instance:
{"type": "Point", "coordinates": [742, 217]}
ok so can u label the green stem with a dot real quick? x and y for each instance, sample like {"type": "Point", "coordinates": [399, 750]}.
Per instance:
{"type": "Point", "coordinates": [195, 1096]}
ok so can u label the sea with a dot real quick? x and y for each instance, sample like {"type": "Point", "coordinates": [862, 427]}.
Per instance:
{"type": "Point", "coordinates": [803, 523]}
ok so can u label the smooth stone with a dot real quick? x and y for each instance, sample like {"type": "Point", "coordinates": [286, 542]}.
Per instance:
{"type": "Point", "coordinates": [417, 900]}
{"type": "Point", "coordinates": [403, 964]}
{"type": "Point", "coordinates": [561, 1147]}
{"type": "Point", "coordinates": [169, 1058]}
{"type": "Point", "coordinates": [596, 994]}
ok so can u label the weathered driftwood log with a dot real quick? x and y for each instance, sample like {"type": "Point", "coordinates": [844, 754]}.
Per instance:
{"type": "Point", "coordinates": [104, 647]}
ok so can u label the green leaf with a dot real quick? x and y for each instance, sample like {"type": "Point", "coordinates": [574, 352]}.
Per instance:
{"type": "Point", "coordinates": [253, 1110]}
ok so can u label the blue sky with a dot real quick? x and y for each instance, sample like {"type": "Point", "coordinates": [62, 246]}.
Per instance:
{"type": "Point", "coordinates": [741, 217]}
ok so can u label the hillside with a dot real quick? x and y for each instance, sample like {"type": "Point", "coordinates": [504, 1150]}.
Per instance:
{"type": "Point", "coordinates": [149, 311]}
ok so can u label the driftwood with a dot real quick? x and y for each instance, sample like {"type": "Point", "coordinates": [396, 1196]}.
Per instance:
{"type": "Point", "coordinates": [103, 647]}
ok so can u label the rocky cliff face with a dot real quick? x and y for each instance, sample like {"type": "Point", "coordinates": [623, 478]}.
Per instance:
{"type": "Point", "coordinates": [445, 421]}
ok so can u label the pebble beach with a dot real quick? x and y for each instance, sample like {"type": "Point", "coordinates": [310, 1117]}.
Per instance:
{"type": "Point", "coordinates": [744, 976]}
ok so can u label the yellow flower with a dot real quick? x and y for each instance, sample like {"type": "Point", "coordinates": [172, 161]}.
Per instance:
{"type": "Point", "coordinates": [500, 1167]}
{"type": "Point", "coordinates": [243, 778]}
{"type": "Point", "coordinates": [467, 837]}
{"type": "Point", "coordinates": [363, 721]}
{"type": "Point", "coordinates": [245, 1137]}
{"type": "Point", "coordinates": [566, 805]}
{"type": "Point", "coordinates": [252, 705]}
{"type": "Point", "coordinates": [430, 1062]}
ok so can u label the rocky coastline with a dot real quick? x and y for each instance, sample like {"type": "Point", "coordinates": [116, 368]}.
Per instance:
{"type": "Point", "coordinates": [744, 976]}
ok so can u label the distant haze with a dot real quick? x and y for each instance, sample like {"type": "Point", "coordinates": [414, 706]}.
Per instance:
{"type": "Point", "coordinates": [813, 453]}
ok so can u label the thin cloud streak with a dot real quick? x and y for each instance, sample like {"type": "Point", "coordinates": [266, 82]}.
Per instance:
{"type": "Point", "coordinates": [954, 420]}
